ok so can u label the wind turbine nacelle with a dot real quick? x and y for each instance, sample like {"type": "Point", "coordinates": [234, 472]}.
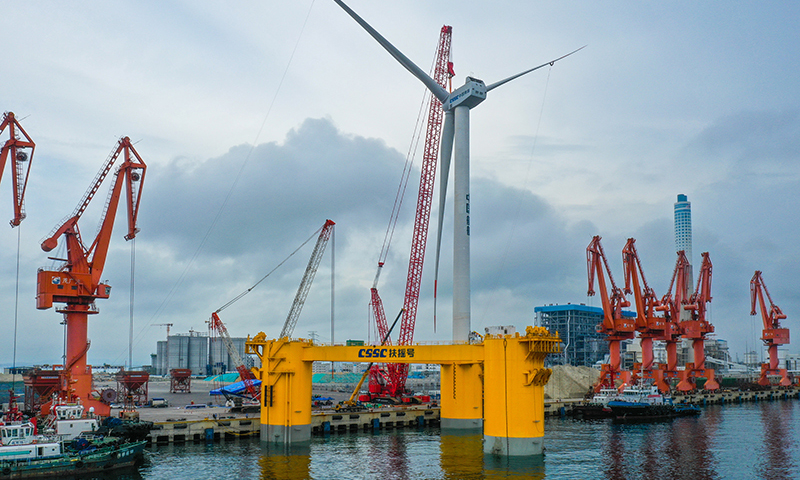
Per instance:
{"type": "Point", "coordinates": [469, 95]}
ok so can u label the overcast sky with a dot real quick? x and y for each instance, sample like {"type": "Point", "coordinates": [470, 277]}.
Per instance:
{"type": "Point", "coordinates": [295, 115]}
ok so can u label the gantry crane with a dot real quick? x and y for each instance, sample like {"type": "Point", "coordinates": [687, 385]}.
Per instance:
{"type": "Point", "coordinates": [772, 334]}
{"type": "Point", "coordinates": [648, 324]}
{"type": "Point", "coordinates": [16, 149]}
{"type": "Point", "coordinates": [672, 306]}
{"type": "Point", "coordinates": [615, 325]}
{"type": "Point", "coordinates": [696, 329]}
{"type": "Point", "coordinates": [77, 283]}
{"type": "Point", "coordinates": [393, 384]}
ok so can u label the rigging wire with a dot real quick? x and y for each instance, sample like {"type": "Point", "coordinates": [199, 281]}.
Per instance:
{"type": "Point", "coordinates": [16, 313]}
{"type": "Point", "coordinates": [130, 332]}
{"type": "Point", "coordinates": [211, 227]}
{"type": "Point", "coordinates": [489, 305]}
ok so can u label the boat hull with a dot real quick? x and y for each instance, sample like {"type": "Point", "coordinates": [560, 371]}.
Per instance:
{"type": "Point", "coordinates": [101, 460]}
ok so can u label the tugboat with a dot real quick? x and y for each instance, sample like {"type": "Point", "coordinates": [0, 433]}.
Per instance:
{"type": "Point", "coordinates": [26, 454]}
{"type": "Point", "coordinates": [642, 403]}
{"type": "Point", "coordinates": [598, 406]}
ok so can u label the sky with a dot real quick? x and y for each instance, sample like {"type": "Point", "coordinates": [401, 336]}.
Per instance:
{"type": "Point", "coordinates": [260, 120]}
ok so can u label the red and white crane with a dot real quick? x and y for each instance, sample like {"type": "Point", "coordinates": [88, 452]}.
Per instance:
{"type": "Point", "coordinates": [672, 306]}
{"type": "Point", "coordinates": [696, 329]}
{"type": "Point", "coordinates": [77, 283]}
{"type": "Point", "coordinates": [398, 373]}
{"type": "Point", "coordinates": [16, 148]}
{"type": "Point", "coordinates": [615, 325]}
{"type": "Point", "coordinates": [772, 334]}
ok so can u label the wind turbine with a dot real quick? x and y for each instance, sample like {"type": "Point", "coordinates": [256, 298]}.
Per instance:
{"type": "Point", "coordinates": [455, 136]}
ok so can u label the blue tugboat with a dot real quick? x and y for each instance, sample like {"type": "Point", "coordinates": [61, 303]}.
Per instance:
{"type": "Point", "coordinates": [647, 403]}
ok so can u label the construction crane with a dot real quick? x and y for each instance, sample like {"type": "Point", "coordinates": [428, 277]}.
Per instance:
{"type": "Point", "coordinates": [246, 374]}
{"type": "Point", "coordinates": [16, 149]}
{"type": "Point", "coordinates": [308, 278]}
{"type": "Point", "coordinates": [615, 325]}
{"type": "Point", "coordinates": [772, 334]}
{"type": "Point", "coordinates": [398, 373]}
{"type": "Point", "coordinates": [696, 329]}
{"type": "Point", "coordinates": [77, 283]}
{"type": "Point", "coordinates": [648, 325]}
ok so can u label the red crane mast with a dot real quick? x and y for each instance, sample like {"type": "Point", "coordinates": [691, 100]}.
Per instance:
{"type": "Point", "coordinates": [398, 373]}
{"type": "Point", "coordinates": [697, 329]}
{"type": "Point", "coordinates": [648, 324]}
{"type": "Point", "coordinates": [77, 283]}
{"type": "Point", "coordinates": [772, 334]}
{"type": "Point", "coordinates": [15, 149]}
{"type": "Point", "coordinates": [615, 325]}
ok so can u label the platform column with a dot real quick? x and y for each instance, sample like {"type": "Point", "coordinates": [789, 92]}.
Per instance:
{"type": "Point", "coordinates": [462, 396]}
{"type": "Point", "coordinates": [514, 391]}
{"type": "Point", "coordinates": [285, 392]}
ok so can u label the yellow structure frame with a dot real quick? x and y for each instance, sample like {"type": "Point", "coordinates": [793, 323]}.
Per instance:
{"type": "Point", "coordinates": [497, 385]}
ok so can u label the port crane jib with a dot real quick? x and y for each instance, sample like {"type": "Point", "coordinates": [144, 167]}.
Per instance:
{"type": "Point", "coordinates": [772, 334]}
{"type": "Point", "coordinates": [17, 149]}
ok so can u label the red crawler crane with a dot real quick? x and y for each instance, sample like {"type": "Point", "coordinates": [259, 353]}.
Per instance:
{"type": "Point", "coordinates": [77, 283]}
{"type": "Point", "coordinates": [615, 325]}
{"type": "Point", "coordinates": [19, 157]}
{"type": "Point", "coordinates": [773, 334]}
{"type": "Point", "coordinates": [696, 329]}
{"type": "Point", "coordinates": [397, 373]}
{"type": "Point", "coordinates": [648, 324]}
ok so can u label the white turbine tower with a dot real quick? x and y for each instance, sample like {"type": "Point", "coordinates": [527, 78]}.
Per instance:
{"type": "Point", "coordinates": [455, 133]}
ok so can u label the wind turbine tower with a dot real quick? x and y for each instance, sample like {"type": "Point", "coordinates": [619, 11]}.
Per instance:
{"type": "Point", "coordinates": [455, 142]}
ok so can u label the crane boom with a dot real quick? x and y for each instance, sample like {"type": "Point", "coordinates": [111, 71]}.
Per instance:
{"type": "Point", "coordinates": [308, 278]}
{"type": "Point", "coordinates": [247, 375]}
{"type": "Point", "coordinates": [15, 149]}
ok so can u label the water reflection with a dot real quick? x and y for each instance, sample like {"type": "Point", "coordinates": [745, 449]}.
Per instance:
{"type": "Point", "coordinates": [284, 462]}
{"type": "Point", "coordinates": [776, 460]}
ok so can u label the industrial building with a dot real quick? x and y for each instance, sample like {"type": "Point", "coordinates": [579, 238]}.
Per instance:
{"type": "Point", "coordinates": [577, 327]}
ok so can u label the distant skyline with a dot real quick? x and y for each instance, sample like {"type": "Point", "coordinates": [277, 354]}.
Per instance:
{"type": "Point", "coordinates": [258, 121]}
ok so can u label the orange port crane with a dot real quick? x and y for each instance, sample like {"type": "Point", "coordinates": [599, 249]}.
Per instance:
{"type": "Point", "coordinates": [648, 325]}
{"type": "Point", "coordinates": [672, 306]}
{"type": "Point", "coordinates": [616, 325]}
{"type": "Point", "coordinates": [772, 335]}
{"type": "Point", "coordinates": [696, 329]}
{"type": "Point", "coordinates": [16, 149]}
{"type": "Point", "coordinates": [394, 385]}
{"type": "Point", "coordinates": [77, 283]}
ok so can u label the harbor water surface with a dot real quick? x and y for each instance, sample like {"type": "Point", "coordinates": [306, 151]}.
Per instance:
{"type": "Point", "coordinates": [753, 440]}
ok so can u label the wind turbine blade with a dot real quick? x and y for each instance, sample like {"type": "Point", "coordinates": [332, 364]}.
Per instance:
{"type": "Point", "coordinates": [551, 62]}
{"type": "Point", "coordinates": [430, 83]}
{"type": "Point", "coordinates": [448, 132]}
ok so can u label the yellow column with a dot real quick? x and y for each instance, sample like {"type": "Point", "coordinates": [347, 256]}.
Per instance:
{"type": "Point", "coordinates": [285, 392]}
{"type": "Point", "coordinates": [462, 395]}
{"type": "Point", "coordinates": [514, 391]}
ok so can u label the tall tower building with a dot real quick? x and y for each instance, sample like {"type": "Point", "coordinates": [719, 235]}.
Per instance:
{"type": "Point", "coordinates": [683, 241]}
{"type": "Point", "coordinates": [683, 226]}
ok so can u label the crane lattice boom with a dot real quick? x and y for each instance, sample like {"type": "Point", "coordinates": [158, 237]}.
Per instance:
{"type": "Point", "coordinates": [15, 149]}
{"type": "Point", "coordinates": [308, 278]}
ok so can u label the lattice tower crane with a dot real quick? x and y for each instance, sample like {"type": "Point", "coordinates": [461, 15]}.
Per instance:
{"type": "Point", "coordinates": [697, 328]}
{"type": "Point", "coordinates": [16, 149]}
{"type": "Point", "coordinates": [398, 373]}
{"type": "Point", "coordinates": [648, 324]}
{"type": "Point", "coordinates": [77, 283]}
{"type": "Point", "coordinates": [245, 373]}
{"type": "Point", "coordinates": [772, 334]}
{"type": "Point", "coordinates": [615, 325]}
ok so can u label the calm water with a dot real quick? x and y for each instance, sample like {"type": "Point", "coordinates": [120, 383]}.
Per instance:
{"type": "Point", "coordinates": [760, 440]}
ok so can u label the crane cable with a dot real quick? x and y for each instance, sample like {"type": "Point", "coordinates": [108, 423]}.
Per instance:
{"type": "Point", "coordinates": [16, 311]}
{"type": "Point", "coordinates": [211, 227]}
{"type": "Point", "coordinates": [237, 297]}
{"type": "Point", "coordinates": [502, 263]}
